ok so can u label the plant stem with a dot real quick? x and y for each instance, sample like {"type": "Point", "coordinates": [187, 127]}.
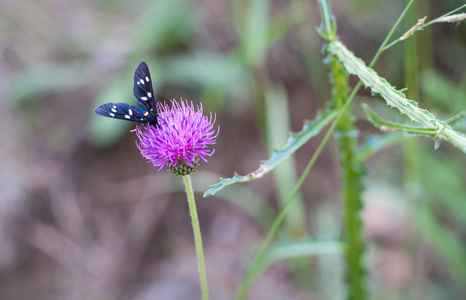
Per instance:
{"type": "Point", "coordinates": [197, 236]}
{"type": "Point", "coordinates": [384, 46]}
{"type": "Point", "coordinates": [352, 170]}
{"type": "Point", "coordinates": [442, 16]}
{"type": "Point", "coordinates": [351, 176]}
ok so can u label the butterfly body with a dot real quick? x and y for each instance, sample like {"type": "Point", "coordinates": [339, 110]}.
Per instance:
{"type": "Point", "coordinates": [146, 113]}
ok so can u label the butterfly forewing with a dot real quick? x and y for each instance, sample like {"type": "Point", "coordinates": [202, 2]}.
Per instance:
{"type": "Point", "coordinates": [143, 88]}
{"type": "Point", "coordinates": [123, 111]}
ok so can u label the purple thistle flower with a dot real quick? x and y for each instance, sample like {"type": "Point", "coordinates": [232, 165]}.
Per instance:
{"type": "Point", "coordinates": [180, 138]}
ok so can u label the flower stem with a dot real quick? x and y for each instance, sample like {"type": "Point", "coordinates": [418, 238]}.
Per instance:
{"type": "Point", "coordinates": [197, 236]}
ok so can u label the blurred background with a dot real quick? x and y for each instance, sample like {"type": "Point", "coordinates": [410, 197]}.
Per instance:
{"type": "Point", "coordinates": [83, 216]}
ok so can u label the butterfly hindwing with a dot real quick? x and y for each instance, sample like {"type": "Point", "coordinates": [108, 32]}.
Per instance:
{"type": "Point", "coordinates": [142, 88]}
{"type": "Point", "coordinates": [123, 111]}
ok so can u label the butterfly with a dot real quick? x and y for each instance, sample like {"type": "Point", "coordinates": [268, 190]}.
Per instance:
{"type": "Point", "coordinates": [142, 90]}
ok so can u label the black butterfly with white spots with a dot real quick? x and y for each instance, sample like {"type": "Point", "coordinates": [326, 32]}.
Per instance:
{"type": "Point", "coordinates": [142, 90]}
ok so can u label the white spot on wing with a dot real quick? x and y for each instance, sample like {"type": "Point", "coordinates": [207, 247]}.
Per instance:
{"type": "Point", "coordinates": [127, 117]}
{"type": "Point", "coordinates": [114, 110]}
{"type": "Point", "coordinates": [147, 78]}
{"type": "Point", "coordinates": [149, 94]}
{"type": "Point", "coordinates": [111, 114]}
{"type": "Point", "coordinates": [142, 81]}
{"type": "Point", "coordinates": [130, 112]}
{"type": "Point", "coordinates": [144, 98]}
{"type": "Point", "coordinates": [114, 106]}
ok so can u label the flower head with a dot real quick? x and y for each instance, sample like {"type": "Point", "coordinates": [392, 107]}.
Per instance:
{"type": "Point", "coordinates": [180, 139]}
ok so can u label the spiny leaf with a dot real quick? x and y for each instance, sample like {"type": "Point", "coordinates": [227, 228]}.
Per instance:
{"type": "Point", "coordinates": [295, 141]}
{"type": "Point", "coordinates": [394, 98]}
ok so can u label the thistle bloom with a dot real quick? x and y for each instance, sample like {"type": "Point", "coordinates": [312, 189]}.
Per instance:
{"type": "Point", "coordinates": [180, 139]}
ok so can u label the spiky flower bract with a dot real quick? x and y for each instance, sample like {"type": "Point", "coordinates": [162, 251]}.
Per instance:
{"type": "Point", "coordinates": [180, 139]}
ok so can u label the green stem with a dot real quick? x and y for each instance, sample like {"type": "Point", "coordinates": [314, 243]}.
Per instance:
{"type": "Point", "coordinates": [351, 176]}
{"type": "Point", "coordinates": [442, 16]}
{"type": "Point", "coordinates": [424, 25]}
{"type": "Point", "coordinates": [197, 236]}
{"type": "Point", "coordinates": [383, 47]}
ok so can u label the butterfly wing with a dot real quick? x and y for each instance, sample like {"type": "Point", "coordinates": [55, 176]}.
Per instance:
{"type": "Point", "coordinates": [146, 113]}
{"type": "Point", "coordinates": [143, 89]}
{"type": "Point", "coordinates": [124, 111]}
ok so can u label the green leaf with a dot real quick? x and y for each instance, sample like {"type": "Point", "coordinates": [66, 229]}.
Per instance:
{"type": "Point", "coordinates": [295, 141]}
{"type": "Point", "coordinates": [388, 125]}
